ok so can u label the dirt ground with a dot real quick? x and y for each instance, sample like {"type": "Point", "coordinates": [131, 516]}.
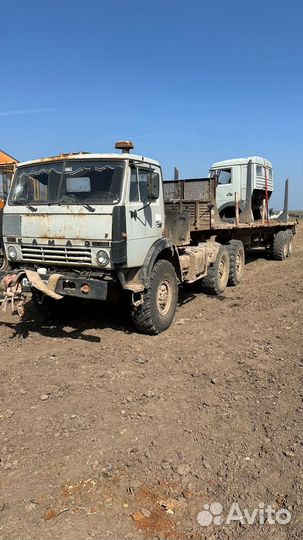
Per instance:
{"type": "Point", "coordinates": [106, 433]}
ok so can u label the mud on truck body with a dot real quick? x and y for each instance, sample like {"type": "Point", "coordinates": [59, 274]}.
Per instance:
{"type": "Point", "coordinates": [84, 224]}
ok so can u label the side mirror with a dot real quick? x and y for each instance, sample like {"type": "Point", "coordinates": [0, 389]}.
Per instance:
{"type": "Point", "coordinates": [153, 186]}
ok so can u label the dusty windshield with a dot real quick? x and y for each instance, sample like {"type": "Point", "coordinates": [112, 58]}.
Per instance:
{"type": "Point", "coordinates": [36, 185]}
{"type": "Point", "coordinates": [69, 182]}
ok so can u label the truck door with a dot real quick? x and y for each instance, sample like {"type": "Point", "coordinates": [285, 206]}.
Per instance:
{"type": "Point", "coordinates": [144, 218]}
{"type": "Point", "coordinates": [225, 190]}
{"type": "Point", "coordinates": [229, 183]}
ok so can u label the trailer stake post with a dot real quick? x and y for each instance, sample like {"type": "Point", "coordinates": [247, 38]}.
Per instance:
{"type": "Point", "coordinates": [284, 216]}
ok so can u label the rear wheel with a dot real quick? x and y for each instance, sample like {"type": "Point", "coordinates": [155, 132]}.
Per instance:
{"type": "Point", "coordinates": [236, 262]}
{"type": "Point", "coordinates": [159, 301]}
{"type": "Point", "coordinates": [282, 245]}
{"type": "Point", "coordinates": [217, 275]}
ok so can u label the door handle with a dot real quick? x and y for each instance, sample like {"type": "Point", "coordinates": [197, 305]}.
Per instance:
{"type": "Point", "coordinates": [229, 194]}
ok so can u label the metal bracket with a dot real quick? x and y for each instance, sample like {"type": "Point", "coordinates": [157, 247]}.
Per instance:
{"type": "Point", "coordinates": [139, 301]}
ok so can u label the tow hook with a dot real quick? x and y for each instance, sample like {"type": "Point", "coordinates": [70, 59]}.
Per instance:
{"type": "Point", "coordinates": [137, 299]}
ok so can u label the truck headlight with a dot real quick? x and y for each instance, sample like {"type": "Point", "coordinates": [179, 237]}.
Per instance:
{"type": "Point", "coordinates": [12, 253]}
{"type": "Point", "coordinates": [102, 257]}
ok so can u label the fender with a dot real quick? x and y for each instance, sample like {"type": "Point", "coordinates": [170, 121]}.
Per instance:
{"type": "Point", "coordinates": [231, 205]}
{"type": "Point", "coordinates": [152, 254]}
{"type": "Point", "coordinates": [137, 279]}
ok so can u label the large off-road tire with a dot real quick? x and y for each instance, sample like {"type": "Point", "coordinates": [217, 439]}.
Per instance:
{"type": "Point", "coordinates": [282, 245]}
{"type": "Point", "coordinates": [236, 262]}
{"type": "Point", "coordinates": [290, 242]}
{"type": "Point", "coordinates": [4, 265]}
{"type": "Point", "coordinates": [217, 275]}
{"type": "Point", "coordinates": [160, 300]}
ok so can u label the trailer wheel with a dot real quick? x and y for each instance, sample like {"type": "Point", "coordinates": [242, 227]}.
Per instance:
{"type": "Point", "coordinates": [236, 262]}
{"type": "Point", "coordinates": [159, 301]}
{"type": "Point", "coordinates": [281, 246]}
{"type": "Point", "coordinates": [290, 242]}
{"type": "Point", "coordinates": [218, 273]}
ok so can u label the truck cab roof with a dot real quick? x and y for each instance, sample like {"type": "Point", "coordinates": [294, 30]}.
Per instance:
{"type": "Point", "coordinates": [90, 156]}
{"type": "Point", "coordinates": [241, 161]}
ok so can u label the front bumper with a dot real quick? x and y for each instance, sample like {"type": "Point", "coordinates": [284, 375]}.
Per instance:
{"type": "Point", "coordinates": [13, 286]}
{"type": "Point", "coordinates": [92, 289]}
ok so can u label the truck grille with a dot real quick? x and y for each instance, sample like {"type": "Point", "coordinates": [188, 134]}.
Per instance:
{"type": "Point", "coordinates": [80, 256]}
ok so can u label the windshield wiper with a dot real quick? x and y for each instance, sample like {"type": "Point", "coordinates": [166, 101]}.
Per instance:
{"type": "Point", "coordinates": [24, 203]}
{"type": "Point", "coordinates": [88, 206]}
{"type": "Point", "coordinates": [83, 203]}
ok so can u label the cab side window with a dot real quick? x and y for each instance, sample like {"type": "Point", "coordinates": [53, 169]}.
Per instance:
{"type": "Point", "coordinates": [224, 176]}
{"type": "Point", "coordinates": [143, 179]}
{"type": "Point", "coordinates": [138, 184]}
{"type": "Point", "coordinates": [134, 187]}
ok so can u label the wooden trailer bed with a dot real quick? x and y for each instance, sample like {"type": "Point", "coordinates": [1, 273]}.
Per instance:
{"type": "Point", "coordinates": [190, 208]}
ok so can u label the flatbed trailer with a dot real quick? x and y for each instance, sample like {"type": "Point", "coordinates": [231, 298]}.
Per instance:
{"type": "Point", "coordinates": [192, 216]}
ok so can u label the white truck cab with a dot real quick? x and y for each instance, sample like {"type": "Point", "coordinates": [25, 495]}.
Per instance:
{"type": "Point", "coordinates": [232, 179]}
{"type": "Point", "coordinates": [84, 210]}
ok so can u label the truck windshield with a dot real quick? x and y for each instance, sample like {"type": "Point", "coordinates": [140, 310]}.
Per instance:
{"type": "Point", "coordinates": [69, 182]}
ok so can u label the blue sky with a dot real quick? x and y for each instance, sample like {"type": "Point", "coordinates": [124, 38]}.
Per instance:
{"type": "Point", "coordinates": [189, 82]}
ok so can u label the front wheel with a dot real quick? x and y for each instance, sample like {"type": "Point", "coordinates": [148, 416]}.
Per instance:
{"type": "Point", "coordinates": [159, 301]}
